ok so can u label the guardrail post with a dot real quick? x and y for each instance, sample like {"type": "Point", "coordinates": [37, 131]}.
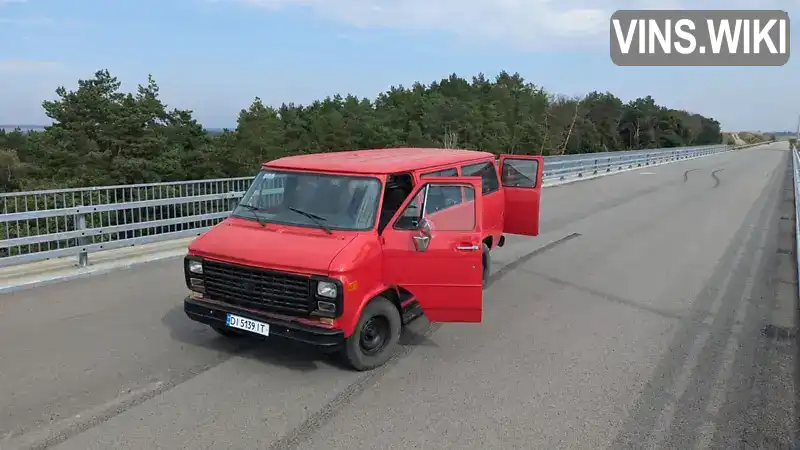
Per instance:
{"type": "Point", "coordinates": [83, 241]}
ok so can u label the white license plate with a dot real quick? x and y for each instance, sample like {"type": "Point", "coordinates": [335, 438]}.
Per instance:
{"type": "Point", "coordinates": [243, 323]}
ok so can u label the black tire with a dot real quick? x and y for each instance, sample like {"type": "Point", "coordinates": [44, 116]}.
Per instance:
{"type": "Point", "coordinates": [225, 331]}
{"type": "Point", "coordinates": [376, 336]}
{"type": "Point", "coordinates": [487, 264]}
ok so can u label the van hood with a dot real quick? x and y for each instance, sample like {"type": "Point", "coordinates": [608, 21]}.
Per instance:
{"type": "Point", "coordinates": [309, 251]}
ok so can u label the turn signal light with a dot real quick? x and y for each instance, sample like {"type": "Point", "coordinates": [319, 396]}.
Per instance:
{"type": "Point", "coordinates": [327, 307]}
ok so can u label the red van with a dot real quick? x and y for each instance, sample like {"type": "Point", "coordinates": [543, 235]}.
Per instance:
{"type": "Point", "coordinates": [341, 250]}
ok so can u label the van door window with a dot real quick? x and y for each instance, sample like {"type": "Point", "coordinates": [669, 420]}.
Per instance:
{"type": "Point", "coordinates": [521, 176]}
{"type": "Point", "coordinates": [488, 174]}
{"type": "Point", "coordinates": [453, 220]}
{"type": "Point", "coordinates": [520, 173]}
{"type": "Point", "coordinates": [409, 219]}
{"type": "Point", "coordinates": [444, 197]}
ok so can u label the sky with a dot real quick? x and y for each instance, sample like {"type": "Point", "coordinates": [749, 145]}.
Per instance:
{"type": "Point", "coordinates": [215, 56]}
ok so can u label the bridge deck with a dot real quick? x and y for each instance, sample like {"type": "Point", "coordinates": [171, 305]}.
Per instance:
{"type": "Point", "coordinates": [641, 324]}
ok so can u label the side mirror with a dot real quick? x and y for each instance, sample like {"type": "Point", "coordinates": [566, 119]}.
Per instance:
{"type": "Point", "coordinates": [423, 237]}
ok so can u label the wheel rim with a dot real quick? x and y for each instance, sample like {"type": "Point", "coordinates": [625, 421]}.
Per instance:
{"type": "Point", "coordinates": [374, 335]}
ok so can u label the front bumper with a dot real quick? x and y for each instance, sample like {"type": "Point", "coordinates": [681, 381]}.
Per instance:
{"type": "Point", "coordinates": [215, 314]}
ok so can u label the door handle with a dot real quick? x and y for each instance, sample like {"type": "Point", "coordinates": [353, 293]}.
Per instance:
{"type": "Point", "coordinates": [467, 248]}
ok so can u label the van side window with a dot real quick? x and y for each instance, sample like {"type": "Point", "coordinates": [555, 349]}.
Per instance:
{"type": "Point", "coordinates": [442, 173]}
{"type": "Point", "coordinates": [445, 196]}
{"type": "Point", "coordinates": [488, 174]}
{"type": "Point", "coordinates": [520, 173]}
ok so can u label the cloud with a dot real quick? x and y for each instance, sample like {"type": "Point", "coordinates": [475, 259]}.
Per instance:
{"type": "Point", "coordinates": [531, 24]}
{"type": "Point", "coordinates": [22, 66]}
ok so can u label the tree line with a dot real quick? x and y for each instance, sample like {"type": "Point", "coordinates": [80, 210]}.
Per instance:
{"type": "Point", "coordinates": [103, 136]}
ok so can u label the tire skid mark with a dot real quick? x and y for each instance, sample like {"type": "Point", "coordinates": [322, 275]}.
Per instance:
{"type": "Point", "coordinates": [661, 430]}
{"type": "Point", "coordinates": [70, 427]}
{"type": "Point", "coordinates": [708, 394]}
{"type": "Point", "coordinates": [689, 370]}
{"type": "Point", "coordinates": [667, 314]}
{"type": "Point", "coordinates": [648, 416]}
{"type": "Point", "coordinates": [513, 265]}
{"type": "Point", "coordinates": [749, 412]}
{"type": "Point", "coordinates": [603, 206]}
{"type": "Point", "coordinates": [715, 177]}
{"type": "Point", "coordinates": [612, 203]}
{"type": "Point", "coordinates": [710, 379]}
{"type": "Point", "coordinates": [309, 427]}
{"type": "Point", "coordinates": [717, 395]}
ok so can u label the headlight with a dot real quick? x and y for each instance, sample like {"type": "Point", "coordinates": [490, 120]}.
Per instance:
{"type": "Point", "coordinates": [326, 289]}
{"type": "Point", "coordinates": [196, 267]}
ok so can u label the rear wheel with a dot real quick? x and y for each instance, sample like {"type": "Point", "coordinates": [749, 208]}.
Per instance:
{"type": "Point", "coordinates": [376, 335]}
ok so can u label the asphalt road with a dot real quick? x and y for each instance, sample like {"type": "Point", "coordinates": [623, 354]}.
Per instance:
{"type": "Point", "coordinates": [634, 321]}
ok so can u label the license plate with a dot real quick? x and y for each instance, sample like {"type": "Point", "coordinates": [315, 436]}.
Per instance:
{"type": "Point", "coordinates": [243, 323]}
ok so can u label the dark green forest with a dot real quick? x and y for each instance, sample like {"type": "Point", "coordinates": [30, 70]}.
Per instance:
{"type": "Point", "coordinates": [103, 136]}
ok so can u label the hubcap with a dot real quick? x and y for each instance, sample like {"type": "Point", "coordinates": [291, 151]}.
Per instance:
{"type": "Point", "coordinates": [374, 335]}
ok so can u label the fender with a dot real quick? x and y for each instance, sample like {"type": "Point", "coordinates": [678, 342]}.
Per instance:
{"type": "Point", "coordinates": [348, 322]}
{"type": "Point", "coordinates": [360, 266]}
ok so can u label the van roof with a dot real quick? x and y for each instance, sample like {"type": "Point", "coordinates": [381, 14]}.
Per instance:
{"type": "Point", "coordinates": [378, 161]}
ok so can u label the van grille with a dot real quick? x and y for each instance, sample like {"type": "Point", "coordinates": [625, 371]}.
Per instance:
{"type": "Point", "coordinates": [258, 288]}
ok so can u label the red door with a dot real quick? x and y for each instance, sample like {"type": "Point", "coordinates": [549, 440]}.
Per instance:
{"type": "Point", "coordinates": [432, 248]}
{"type": "Point", "coordinates": [521, 177]}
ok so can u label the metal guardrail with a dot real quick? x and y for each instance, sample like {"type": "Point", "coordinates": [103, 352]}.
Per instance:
{"type": "Point", "coordinates": [41, 225]}
{"type": "Point", "coordinates": [562, 168]}
{"type": "Point", "coordinates": [796, 182]}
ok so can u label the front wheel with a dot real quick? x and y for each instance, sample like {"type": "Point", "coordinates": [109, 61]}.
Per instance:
{"type": "Point", "coordinates": [376, 335]}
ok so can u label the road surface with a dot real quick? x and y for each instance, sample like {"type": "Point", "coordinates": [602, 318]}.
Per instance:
{"type": "Point", "coordinates": [634, 321]}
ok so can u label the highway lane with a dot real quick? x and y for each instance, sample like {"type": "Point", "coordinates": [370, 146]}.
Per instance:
{"type": "Point", "coordinates": [633, 320]}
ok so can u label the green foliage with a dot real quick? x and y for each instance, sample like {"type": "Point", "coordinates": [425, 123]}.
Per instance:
{"type": "Point", "coordinates": [792, 143]}
{"type": "Point", "coordinates": [102, 136]}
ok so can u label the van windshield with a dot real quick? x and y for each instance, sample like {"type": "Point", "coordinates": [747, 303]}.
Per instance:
{"type": "Point", "coordinates": [339, 202]}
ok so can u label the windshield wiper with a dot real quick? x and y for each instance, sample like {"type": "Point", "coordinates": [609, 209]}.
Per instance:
{"type": "Point", "coordinates": [253, 210]}
{"type": "Point", "coordinates": [317, 219]}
